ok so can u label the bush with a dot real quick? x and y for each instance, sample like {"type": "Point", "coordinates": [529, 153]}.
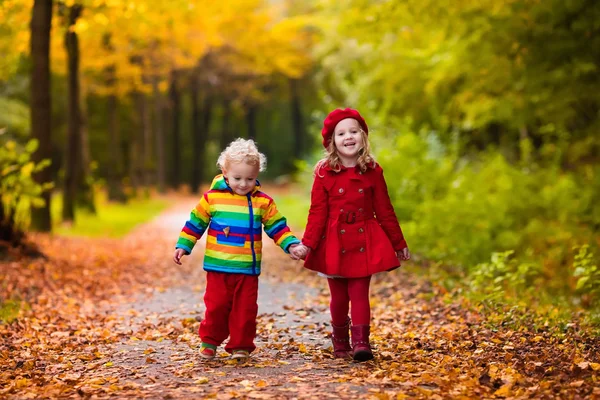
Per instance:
{"type": "Point", "coordinates": [18, 189]}
{"type": "Point", "coordinates": [460, 210]}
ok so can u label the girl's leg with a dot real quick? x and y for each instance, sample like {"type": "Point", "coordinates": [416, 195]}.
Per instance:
{"type": "Point", "coordinates": [214, 327]}
{"type": "Point", "coordinates": [340, 323]}
{"type": "Point", "coordinates": [361, 318]}
{"type": "Point", "coordinates": [340, 301]}
{"type": "Point", "coordinates": [242, 321]}
{"type": "Point", "coordinates": [358, 291]}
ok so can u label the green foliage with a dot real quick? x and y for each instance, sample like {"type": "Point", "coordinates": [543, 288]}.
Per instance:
{"type": "Point", "coordinates": [461, 210]}
{"type": "Point", "coordinates": [587, 272]}
{"type": "Point", "coordinates": [18, 189]}
{"type": "Point", "coordinates": [503, 276]}
{"type": "Point", "coordinates": [14, 118]}
{"type": "Point", "coordinates": [495, 74]}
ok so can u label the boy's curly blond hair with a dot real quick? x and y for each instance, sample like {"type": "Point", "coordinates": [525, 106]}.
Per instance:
{"type": "Point", "coordinates": [242, 150]}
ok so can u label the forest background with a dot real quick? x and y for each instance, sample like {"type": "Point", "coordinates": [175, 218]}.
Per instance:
{"type": "Point", "coordinates": [484, 115]}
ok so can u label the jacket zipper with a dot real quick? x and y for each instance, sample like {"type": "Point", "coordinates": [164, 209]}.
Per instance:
{"type": "Point", "coordinates": [252, 233]}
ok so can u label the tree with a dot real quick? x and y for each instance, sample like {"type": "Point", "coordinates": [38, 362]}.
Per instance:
{"type": "Point", "coordinates": [73, 167]}
{"type": "Point", "coordinates": [41, 104]}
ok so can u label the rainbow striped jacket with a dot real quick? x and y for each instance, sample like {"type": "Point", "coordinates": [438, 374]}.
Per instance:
{"type": "Point", "coordinates": [234, 224]}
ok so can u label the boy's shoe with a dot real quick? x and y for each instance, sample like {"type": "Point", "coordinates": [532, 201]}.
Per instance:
{"type": "Point", "coordinates": [240, 355]}
{"type": "Point", "coordinates": [208, 351]}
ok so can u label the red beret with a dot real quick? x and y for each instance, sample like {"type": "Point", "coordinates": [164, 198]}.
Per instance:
{"type": "Point", "coordinates": [335, 117]}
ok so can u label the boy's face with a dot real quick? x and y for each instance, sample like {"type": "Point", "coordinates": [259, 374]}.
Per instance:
{"type": "Point", "coordinates": [241, 177]}
{"type": "Point", "coordinates": [348, 138]}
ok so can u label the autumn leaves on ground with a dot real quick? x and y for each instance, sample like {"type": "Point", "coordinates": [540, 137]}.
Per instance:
{"type": "Point", "coordinates": [116, 318]}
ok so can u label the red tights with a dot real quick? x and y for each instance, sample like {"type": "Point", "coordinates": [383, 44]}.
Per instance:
{"type": "Point", "coordinates": [346, 291]}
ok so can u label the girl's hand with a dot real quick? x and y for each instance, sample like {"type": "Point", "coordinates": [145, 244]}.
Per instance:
{"type": "Point", "coordinates": [177, 256]}
{"type": "Point", "coordinates": [298, 251]}
{"type": "Point", "coordinates": [403, 254]}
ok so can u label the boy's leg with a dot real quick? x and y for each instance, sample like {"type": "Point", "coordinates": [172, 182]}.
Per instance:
{"type": "Point", "coordinates": [242, 320]}
{"type": "Point", "coordinates": [214, 328]}
{"type": "Point", "coordinates": [340, 300]}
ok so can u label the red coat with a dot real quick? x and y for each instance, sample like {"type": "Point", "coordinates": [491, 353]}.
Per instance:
{"type": "Point", "coordinates": [352, 228]}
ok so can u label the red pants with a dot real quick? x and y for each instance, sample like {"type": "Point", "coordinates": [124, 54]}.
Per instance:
{"type": "Point", "coordinates": [346, 292]}
{"type": "Point", "coordinates": [231, 309]}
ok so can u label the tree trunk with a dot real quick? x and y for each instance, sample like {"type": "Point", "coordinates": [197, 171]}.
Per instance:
{"type": "Point", "coordinates": [85, 193]}
{"type": "Point", "coordinates": [41, 104]}
{"type": "Point", "coordinates": [136, 159]}
{"type": "Point", "coordinates": [115, 165]}
{"type": "Point", "coordinates": [72, 167]}
{"type": "Point", "coordinates": [148, 165]}
{"type": "Point", "coordinates": [251, 121]}
{"type": "Point", "coordinates": [297, 123]}
{"type": "Point", "coordinates": [175, 131]}
{"type": "Point", "coordinates": [226, 131]}
{"type": "Point", "coordinates": [159, 134]}
{"type": "Point", "coordinates": [196, 150]}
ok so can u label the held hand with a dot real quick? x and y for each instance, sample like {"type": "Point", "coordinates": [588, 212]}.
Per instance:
{"type": "Point", "coordinates": [403, 255]}
{"type": "Point", "coordinates": [177, 256]}
{"type": "Point", "coordinates": [298, 251]}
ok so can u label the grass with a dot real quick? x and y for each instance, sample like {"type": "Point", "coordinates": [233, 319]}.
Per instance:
{"type": "Point", "coordinates": [113, 220]}
{"type": "Point", "coordinates": [295, 209]}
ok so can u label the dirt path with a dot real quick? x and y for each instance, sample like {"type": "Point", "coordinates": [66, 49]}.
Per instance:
{"type": "Point", "coordinates": [292, 359]}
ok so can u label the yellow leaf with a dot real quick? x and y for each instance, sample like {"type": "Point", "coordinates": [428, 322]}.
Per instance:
{"type": "Point", "coordinates": [109, 364]}
{"type": "Point", "coordinates": [21, 383]}
{"type": "Point", "coordinates": [261, 384]}
{"type": "Point", "coordinates": [503, 391]}
{"type": "Point", "coordinates": [595, 366]}
{"type": "Point", "coordinates": [201, 381]}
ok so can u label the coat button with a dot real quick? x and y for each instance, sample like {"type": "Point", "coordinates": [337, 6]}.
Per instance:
{"type": "Point", "coordinates": [341, 210]}
{"type": "Point", "coordinates": [343, 251]}
{"type": "Point", "coordinates": [361, 230]}
{"type": "Point", "coordinates": [341, 190]}
{"type": "Point", "coordinates": [360, 210]}
{"type": "Point", "coordinates": [360, 190]}
{"type": "Point", "coordinates": [362, 249]}
{"type": "Point", "coordinates": [343, 231]}
{"type": "Point", "coordinates": [323, 237]}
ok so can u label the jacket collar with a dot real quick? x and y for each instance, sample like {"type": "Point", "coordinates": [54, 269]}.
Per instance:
{"type": "Point", "coordinates": [220, 183]}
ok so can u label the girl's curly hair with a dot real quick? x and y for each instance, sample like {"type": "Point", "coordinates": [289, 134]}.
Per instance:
{"type": "Point", "coordinates": [332, 158]}
{"type": "Point", "coordinates": [242, 150]}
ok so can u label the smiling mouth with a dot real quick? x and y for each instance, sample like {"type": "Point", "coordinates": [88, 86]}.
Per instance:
{"type": "Point", "coordinates": [349, 144]}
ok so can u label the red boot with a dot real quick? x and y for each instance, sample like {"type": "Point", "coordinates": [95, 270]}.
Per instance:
{"type": "Point", "coordinates": [341, 340]}
{"type": "Point", "coordinates": [360, 343]}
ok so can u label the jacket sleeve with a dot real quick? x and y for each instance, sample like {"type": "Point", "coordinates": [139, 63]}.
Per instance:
{"type": "Point", "coordinates": [384, 211]}
{"type": "Point", "coordinates": [195, 227]}
{"type": "Point", "coordinates": [317, 214]}
{"type": "Point", "coordinates": [277, 229]}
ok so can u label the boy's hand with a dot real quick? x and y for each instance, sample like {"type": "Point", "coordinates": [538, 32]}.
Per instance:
{"type": "Point", "coordinates": [298, 251]}
{"type": "Point", "coordinates": [403, 255]}
{"type": "Point", "coordinates": [177, 256]}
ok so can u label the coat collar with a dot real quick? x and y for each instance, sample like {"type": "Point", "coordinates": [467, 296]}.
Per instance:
{"type": "Point", "coordinates": [220, 183]}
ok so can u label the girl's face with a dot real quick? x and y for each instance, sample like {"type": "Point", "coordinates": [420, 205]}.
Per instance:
{"type": "Point", "coordinates": [348, 139]}
{"type": "Point", "coordinates": [241, 177]}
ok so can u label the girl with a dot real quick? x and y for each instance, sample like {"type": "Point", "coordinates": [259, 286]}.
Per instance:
{"type": "Point", "coordinates": [352, 230]}
{"type": "Point", "coordinates": [233, 212]}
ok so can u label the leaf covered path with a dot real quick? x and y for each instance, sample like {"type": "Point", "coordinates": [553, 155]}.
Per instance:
{"type": "Point", "coordinates": [117, 318]}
